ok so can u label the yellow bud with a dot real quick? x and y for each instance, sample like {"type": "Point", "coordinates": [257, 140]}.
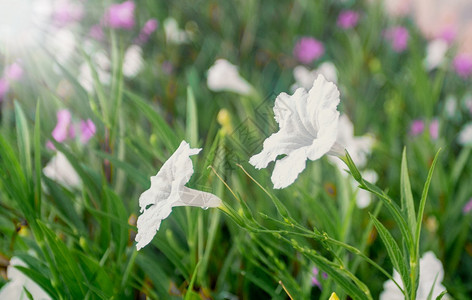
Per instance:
{"type": "Point", "coordinates": [224, 119]}
{"type": "Point", "coordinates": [334, 296]}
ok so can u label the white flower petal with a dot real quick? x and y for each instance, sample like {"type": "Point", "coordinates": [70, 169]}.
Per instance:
{"type": "Point", "coordinates": [224, 76]}
{"type": "Point", "coordinates": [465, 136]}
{"type": "Point", "coordinates": [431, 272]}
{"type": "Point", "coordinates": [308, 125]}
{"type": "Point", "coordinates": [435, 53]}
{"type": "Point", "coordinates": [60, 170]}
{"type": "Point", "coordinates": [14, 289]}
{"type": "Point", "coordinates": [168, 190]}
{"type": "Point", "coordinates": [286, 170]}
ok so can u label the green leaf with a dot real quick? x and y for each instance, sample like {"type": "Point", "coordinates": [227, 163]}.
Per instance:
{"type": "Point", "coordinates": [37, 158]}
{"type": "Point", "coordinates": [23, 140]}
{"type": "Point", "coordinates": [166, 132]}
{"type": "Point", "coordinates": [192, 282]}
{"type": "Point", "coordinates": [394, 252]}
{"type": "Point", "coordinates": [191, 131]}
{"type": "Point", "coordinates": [424, 195]}
{"type": "Point", "coordinates": [38, 277]}
{"type": "Point", "coordinates": [407, 201]}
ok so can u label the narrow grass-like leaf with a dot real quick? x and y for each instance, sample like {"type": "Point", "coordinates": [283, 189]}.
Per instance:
{"type": "Point", "coordinates": [192, 282]}
{"type": "Point", "coordinates": [191, 130]}
{"type": "Point", "coordinates": [166, 133]}
{"type": "Point", "coordinates": [424, 195]}
{"type": "Point", "coordinates": [23, 140]}
{"type": "Point", "coordinates": [394, 252]}
{"type": "Point", "coordinates": [37, 158]}
{"type": "Point", "coordinates": [407, 201]}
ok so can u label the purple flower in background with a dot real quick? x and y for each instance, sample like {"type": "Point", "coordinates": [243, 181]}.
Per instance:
{"type": "Point", "coordinates": [13, 72]}
{"type": "Point", "coordinates": [4, 87]}
{"type": "Point", "coordinates": [467, 207]}
{"type": "Point", "coordinates": [96, 32]}
{"type": "Point", "coordinates": [87, 130]}
{"type": "Point", "coordinates": [167, 67]}
{"type": "Point", "coordinates": [448, 34]}
{"type": "Point", "coordinates": [66, 12]}
{"type": "Point", "coordinates": [61, 131]}
{"type": "Point", "coordinates": [308, 49]}
{"type": "Point", "coordinates": [398, 38]}
{"type": "Point", "coordinates": [417, 127]}
{"type": "Point", "coordinates": [120, 15]}
{"type": "Point", "coordinates": [463, 65]}
{"type": "Point", "coordinates": [348, 19]}
{"type": "Point", "coordinates": [434, 129]}
{"type": "Point", "coordinates": [149, 27]}
{"type": "Point", "coordinates": [314, 278]}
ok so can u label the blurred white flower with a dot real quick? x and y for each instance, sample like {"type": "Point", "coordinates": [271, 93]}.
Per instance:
{"type": "Point", "coordinates": [364, 197]}
{"type": "Point", "coordinates": [18, 282]}
{"type": "Point", "coordinates": [465, 136]}
{"type": "Point", "coordinates": [101, 64]}
{"type": "Point", "coordinates": [167, 191]}
{"type": "Point", "coordinates": [224, 76]}
{"type": "Point", "coordinates": [359, 147]}
{"type": "Point", "coordinates": [304, 78]}
{"type": "Point", "coordinates": [173, 33]}
{"type": "Point", "coordinates": [60, 170]}
{"type": "Point", "coordinates": [133, 61]}
{"type": "Point", "coordinates": [431, 273]}
{"type": "Point", "coordinates": [62, 44]}
{"type": "Point", "coordinates": [435, 53]}
{"type": "Point", "coordinates": [451, 106]}
{"type": "Point", "coordinates": [308, 125]}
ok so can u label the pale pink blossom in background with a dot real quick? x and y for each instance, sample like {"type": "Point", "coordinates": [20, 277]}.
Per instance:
{"type": "Point", "coordinates": [308, 49]}
{"type": "Point", "coordinates": [149, 27]}
{"type": "Point", "coordinates": [87, 130]}
{"type": "Point", "coordinates": [61, 131]}
{"type": "Point", "coordinates": [398, 38]}
{"type": "Point", "coordinates": [417, 127]}
{"type": "Point", "coordinates": [314, 278]}
{"type": "Point", "coordinates": [120, 16]}
{"type": "Point", "coordinates": [13, 72]}
{"type": "Point", "coordinates": [167, 67]}
{"type": "Point", "coordinates": [467, 207]}
{"type": "Point", "coordinates": [463, 65]}
{"type": "Point", "coordinates": [450, 20]}
{"type": "Point", "coordinates": [397, 8]}
{"type": "Point", "coordinates": [434, 129]}
{"type": "Point", "coordinates": [4, 87]}
{"type": "Point", "coordinates": [96, 32]}
{"type": "Point", "coordinates": [348, 19]}
{"type": "Point", "coordinates": [66, 12]}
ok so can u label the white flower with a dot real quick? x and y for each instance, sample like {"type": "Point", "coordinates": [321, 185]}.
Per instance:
{"type": "Point", "coordinates": [14, 289]}
{"type": "Point", "coordinates": [364, 197]}
{"type": "Point", "coordinates": [133, 61]}
{"type": "Point", "coordinates": [435, 53]}
{"type": "Point", "coordinates": [451, 106]}
{"type": "Point", "coordinates": [62, 44]}
{"type": "Point", "coordinates": [304, 78]}
{"type": "Point", "coordinates": [359, 147]}
{"type": "Point", "coordinates": [60, 170]}
{"type": "Point", "coordinates": [224, 76]}
{"type": "Point", "coordinates": [168, 190]}
{"type": "Point", "coordinates": [308, 125]}
{"type": "Point", "coordinates": [431, 273]}
{"type": "Point", "coordinates": [465, 136]}
{"type": "Point", "coordinates": [173, 33]}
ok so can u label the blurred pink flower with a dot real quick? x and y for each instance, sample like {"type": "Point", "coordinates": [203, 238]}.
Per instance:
{"type": "Point", "coordinates": [398, 38]}
{"type": "Point", "coordinates": [13, 72]}
{"type": "Point", "coordinates": [96, 32]}
{"type": "Point", "coordinates": [61, 131]}
{"type": "Point", "coordinates": [87, 130]}
{"type": "Point", "coordinates": [308, 49]}
{"type": "Point", "coordinates": [120, 15]}
{"type": "Point", "coordinates": [397, 8]}
{"type": "Point", "coordinates": [149, 27]}
{"type": "Point", "coordinates": [66, 11]}
{"type": "Point", "coordinates": [417, 127]}
{"type": "Point", "coordinates": [467, 207]}
{"type": "Point", "coordinates": [167, 67]}
{"type": "Point", "coordinates": [434, 129]}
{"type": "Point", "coordinates": [348, 19]}
{"type": "Point", "coordinates": [4, 87]}
{"type": "Point", "coordinates": [463, 65]}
